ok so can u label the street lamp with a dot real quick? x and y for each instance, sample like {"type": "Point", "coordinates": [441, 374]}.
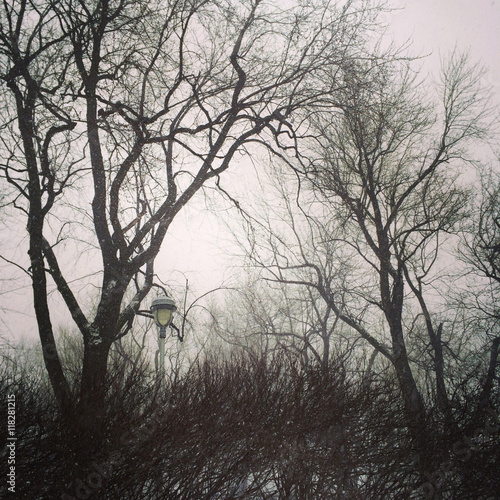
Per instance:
{"type": "Point", "coordinates": [162, 310]}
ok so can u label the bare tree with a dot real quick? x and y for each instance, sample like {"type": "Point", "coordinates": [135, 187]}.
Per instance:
{"type": "Point", "coordinates": [385, 191]}
{"type": "Point", "coordinates": [480, 244]}
{"type": "Point", "coordinates": [480, 251]}
{"type": "Point", "coordinates": [117, 113]}
{"type": "Point", "coordinates": [269, 317]}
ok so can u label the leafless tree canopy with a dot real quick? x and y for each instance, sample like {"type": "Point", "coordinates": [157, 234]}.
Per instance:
{"type": "Point", "coordinates": [381, 199]}
{"type": "Point", "coordinates": [118, 113]}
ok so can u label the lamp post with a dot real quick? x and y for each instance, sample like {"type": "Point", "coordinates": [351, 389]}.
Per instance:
{"type": "Point", "coordinates": [162, 310]}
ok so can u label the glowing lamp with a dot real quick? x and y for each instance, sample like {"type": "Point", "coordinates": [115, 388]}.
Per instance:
{"type": "Point", "coordinates": [162, 310]}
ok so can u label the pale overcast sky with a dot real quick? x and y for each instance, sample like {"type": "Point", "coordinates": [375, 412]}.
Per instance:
{"type": "Point", "coordinates": [436, 27]}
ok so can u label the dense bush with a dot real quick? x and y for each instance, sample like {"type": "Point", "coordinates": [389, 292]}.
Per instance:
{"type": "Point", "coordinates": [242, 426]}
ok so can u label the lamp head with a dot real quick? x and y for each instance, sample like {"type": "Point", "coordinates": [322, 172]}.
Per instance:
{"type": "Point", "coordinates": [162, 310]}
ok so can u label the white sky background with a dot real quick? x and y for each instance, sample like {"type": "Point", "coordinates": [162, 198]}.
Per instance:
{"type": "Point", "coordinates": [197, 247]}
{"type": "Point", "coordinates": [435, 27]}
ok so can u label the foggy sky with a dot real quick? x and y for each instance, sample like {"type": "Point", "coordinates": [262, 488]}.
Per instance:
{"type": "Point", "coordinates": [196, 248]}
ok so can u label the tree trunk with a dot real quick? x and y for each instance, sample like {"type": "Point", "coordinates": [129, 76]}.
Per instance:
{"type": "Point", "coordinates": [51, 358]}
{"type": "Point", "coordinates": [25, 105]}
{"type": "Point", "coordinates": [488, 380]}
{"type": "Point", "coordinates": [92, 406]}
{"type": "Point", "coordinates": [414, 406]}
{"type": "Point", "coordinates": [412, 398]}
